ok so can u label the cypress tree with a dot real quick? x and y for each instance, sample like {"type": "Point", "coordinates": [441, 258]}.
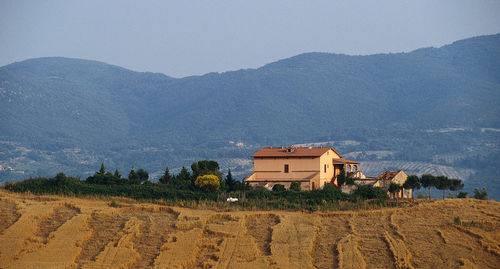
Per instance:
{"type": "Point", "coordinates": [117, 174]}
{"type": "Point", "coordinates": [230, 181]}
{"type": "Point", "coordinates": [166, 178]}
{"type": "Point", "coordinates": [132, 176]}
{"type": "Point", "coordinates": [341, 178]}
{"type": "Point", "coordinates": [102, 170]}
{"type": "Point", "coordinates": [184, 174]}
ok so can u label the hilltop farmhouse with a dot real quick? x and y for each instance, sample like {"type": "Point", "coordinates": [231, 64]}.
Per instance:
{"type": "Point", "coordinates": [313, 168]}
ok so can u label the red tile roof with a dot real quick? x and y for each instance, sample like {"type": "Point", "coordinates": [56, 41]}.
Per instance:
{"type": "Point", "coordinates": [293, 152]}
{"type": "Point", "coordinates": [344, 161]}
{"type": "Point", "coordinates": [388, 175]}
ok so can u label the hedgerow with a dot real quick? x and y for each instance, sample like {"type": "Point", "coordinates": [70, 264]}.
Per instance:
{"type": "Point", "coordinates": [326, 198]}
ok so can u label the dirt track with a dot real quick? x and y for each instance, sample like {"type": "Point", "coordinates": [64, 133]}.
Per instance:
{"type": "Point", "coordinates": [58, 232]}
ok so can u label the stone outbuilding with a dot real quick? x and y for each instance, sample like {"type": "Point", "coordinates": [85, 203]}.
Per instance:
{"type": "Point", "coordinates": [383, 181]}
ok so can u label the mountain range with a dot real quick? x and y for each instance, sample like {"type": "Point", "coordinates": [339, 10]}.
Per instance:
{"type": "Point", "coordinates": [431, 110]}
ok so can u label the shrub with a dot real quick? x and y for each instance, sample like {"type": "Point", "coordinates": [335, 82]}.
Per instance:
{"type": "Point", "coordinates": [483, 195]}
{"type": "Point", "coordinates": [113, 204]}
{"type": "Point", "coordinates": [106, 179]}
{"type": "Point", "coordinates": [258, 193]}
{"type": "Point", "coordinates": [332, 193]}
{"type": "Point", "coordinates": [369, 192]}
{"type": "Point", "coordinates": [462, 194]}
{"type": "Point", "coordinates": [295, 186]}
{"type": "Point", "coordinates": [278, 188]}
{"type": "Point", "coordinates": [207, 182]}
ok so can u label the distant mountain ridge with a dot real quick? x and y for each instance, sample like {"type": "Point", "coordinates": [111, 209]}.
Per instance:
{"type": "Point", "coordinates": [55, 106]}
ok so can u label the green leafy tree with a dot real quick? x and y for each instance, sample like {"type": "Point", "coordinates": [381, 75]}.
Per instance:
{"type": "Point", "coordinates": [456, 185]}
{"type": "Point", "coordinates": [483, 195]}
{"type": "Point", "coordinates": [278, 188]}
{"type": "Point", "coordinates": [106, 179]}
{"type": "Point", "coordinates": [166, 177]}
{"type": "Point", "coordinates": [207, 183]}
{"type": "Point", "coordinates": [462, 194]}
{"type": "Point", "coordinates": [428, 181]}
{"type": "Point", "coordinates": [132, 176]}
{"type": "Point", "coordinates": [394, 188]}
{"type": "Point", "coordinates": [205, 167]}
{"type": "Point", "coordinates": [442, 183]}
{"type": "Point", "coordinates": [59, 178]}
{"type": "Point", "coordinates": [295, 186]}
{"type": "Point", "coordinates": [142, 175]}
{"type": "Point", "coordinates": [412, 182]}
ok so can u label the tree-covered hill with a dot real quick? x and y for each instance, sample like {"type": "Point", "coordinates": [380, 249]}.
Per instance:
{"type": "Point", "coordinates": [434, 105]}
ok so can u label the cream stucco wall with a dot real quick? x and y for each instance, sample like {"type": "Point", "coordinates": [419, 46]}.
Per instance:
{"type": "Point", "coordinates": [277, 165]}
{"type": "Point", "coordinates": [272, 169]}
{"type": "Point", "coordinates": [326, 167]}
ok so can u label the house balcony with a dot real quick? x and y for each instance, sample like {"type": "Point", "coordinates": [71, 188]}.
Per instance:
{"type": "Point", "coordinates": [350, 168]}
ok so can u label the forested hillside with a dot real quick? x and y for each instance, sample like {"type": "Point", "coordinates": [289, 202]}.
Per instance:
{"type": "Point", "coordinates": [431, 110]}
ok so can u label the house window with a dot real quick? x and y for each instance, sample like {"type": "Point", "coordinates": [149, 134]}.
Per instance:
{"type": "Point", "coordinates": [325, 168]}
{"type": "Point", "coordinates": [286, 168]}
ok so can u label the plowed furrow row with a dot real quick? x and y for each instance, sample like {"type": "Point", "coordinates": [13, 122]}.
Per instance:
{"type": "Point", "coordinates": [372, 244]}
{"type": "Point", "coordinates": [469, 243]}
{"type": "Point", "coordinates": [154, 232]}
{"type": "Point", "coordinates": [260, 227]}
{"type": "Point", "coordinates": [330, 231]}
{"type": "Point", "coordinates": [209, 249]}
{"type": "Point", "coordinates": [53, 222]}
{"type": "Point", "coordinates": [8, 215]}
{"type": "Point", "coordinates": [105, 229]}
{"type": "Point", "coordinates": [424, 239]}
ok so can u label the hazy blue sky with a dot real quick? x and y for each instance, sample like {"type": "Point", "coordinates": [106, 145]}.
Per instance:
{"type": "Point", "coordinates": [195, 37]}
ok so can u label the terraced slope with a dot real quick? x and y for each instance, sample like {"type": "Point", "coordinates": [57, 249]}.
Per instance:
{"type": "Point", "coordinates": [57, 232]}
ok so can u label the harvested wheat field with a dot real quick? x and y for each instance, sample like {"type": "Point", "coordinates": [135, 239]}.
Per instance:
{"type": "Point", "coordinates": [60, 232]}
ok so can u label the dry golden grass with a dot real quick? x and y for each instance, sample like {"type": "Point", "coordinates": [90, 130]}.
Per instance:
{"type": "Point", "coordinates": [62, 232]}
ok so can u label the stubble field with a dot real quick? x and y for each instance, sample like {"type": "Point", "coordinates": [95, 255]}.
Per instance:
{"type": "Point", "coordinates": [60, 232]}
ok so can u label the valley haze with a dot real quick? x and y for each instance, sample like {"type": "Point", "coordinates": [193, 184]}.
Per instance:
{"type": "Point", "coordinates": [432, 110]}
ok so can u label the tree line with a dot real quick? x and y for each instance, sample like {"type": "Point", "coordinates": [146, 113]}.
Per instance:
{"type": "Point", "coordinates": [426, 181]}
{"type": "Point", "coordinates": [205, 182]}
{"type": "Point", "coordinates": [429, 181]}
{"type": "Point", "coordinates": [202, 183]}
{"type": "Point", "coordinates": [204, 175]}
